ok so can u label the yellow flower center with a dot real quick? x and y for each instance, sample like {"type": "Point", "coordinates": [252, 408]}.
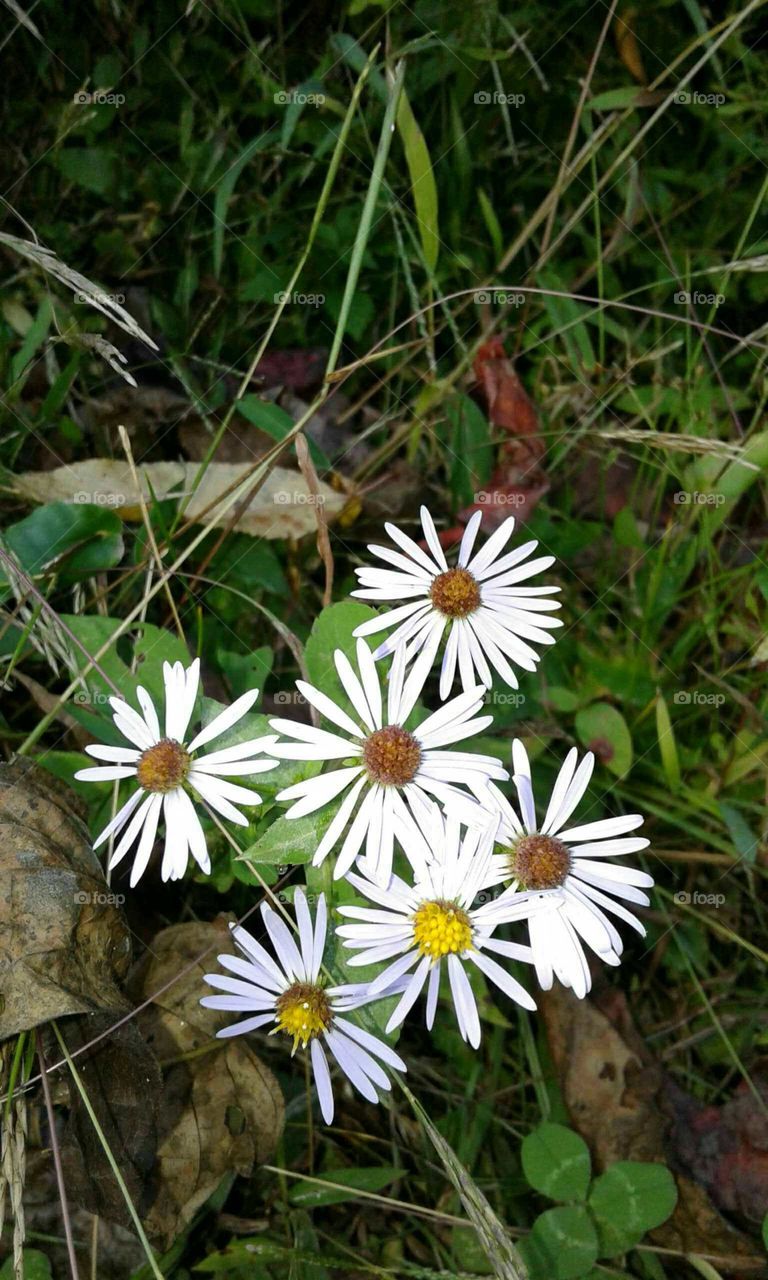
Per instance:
{"type": "Point", "coordinates": [392, 756]}
{"type": "Point", "coordinates": [303, 1012]}
{"type": "Point", "coordinates": [440, 928]}
{"type": "Point", "coordinates": [455, 593]}
{"type": "Point", "coordinates": [539, 862]}
{"type": "Point", "coordinates": [164, 766]}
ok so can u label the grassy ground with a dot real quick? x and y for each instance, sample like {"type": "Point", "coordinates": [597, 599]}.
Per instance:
{"type": "Point", "coordinates": [589, 189]}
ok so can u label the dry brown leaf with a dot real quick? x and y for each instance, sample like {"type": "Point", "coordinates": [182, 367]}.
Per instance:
{"type": "Point", "coordinates": [64, 944]}
{"type": "Point", "coordinates": [122, 1079]}
{"type": "Point", "coordinates": [222, 1109]}
{"type": "Point", "coordinates": [283, 507]}
{"type": "Point", "coordinates": [628, 46]}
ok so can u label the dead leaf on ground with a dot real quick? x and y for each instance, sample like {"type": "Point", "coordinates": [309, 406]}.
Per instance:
{"type": "Point", "coordinates": [123, 1082]}
{"type": "Point", "coordinates": [221, 1109]}
{"type": "Point", "coordinates": [518, 481]}
{"type": "Point", "coordinates": [282, 508]}
{"type": "Point", "coordinates": [64, 944]}
{"type": "Point", "coordinates": [622, 1102]}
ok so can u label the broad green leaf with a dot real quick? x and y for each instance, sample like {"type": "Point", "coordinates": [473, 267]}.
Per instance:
{"type": "Point", "coordinates": [139, 661]}
{"type": "Point", "coordinates": [366, 1178]}
{"type": "Point", "coordinates": [667, 744]}
{"type": "Point", "coordinates": [556, 1162]}
{"type": "Point", "coordinates": [79, 539]}
{"type": "Point", "coordinates": [423, 186]}
{"type": "Point", "coordinates": [629, 1199]}
{"type": "Point", "coordinates": [256, 725]}
{"type": "Point", "coordinates": [277, 423]}
{"type": "Point", "coordinates": [562, 1245]}
{"type": "Point", "coordinates": [471, 448]}
{"type": "Point", "coordinates": [765, 1230]}
{"type": "Point", "coordinates": [332, 630]}
{"type": "Point", "coordinates": [604, 730]}
{"type": "Point", "coordinates": [94, 168]}
{"type": "Point", "coordinates": [36, 1266]}
{"type": "Point", "coordinates": [707, 476]}
{"type": "Point", "coordinates": [745, 841]}
{"type": "Point", "coordinates": [291, 841]}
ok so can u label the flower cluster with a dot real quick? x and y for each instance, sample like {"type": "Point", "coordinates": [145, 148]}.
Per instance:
{"type": "Point", "coordinates": [436, 857]}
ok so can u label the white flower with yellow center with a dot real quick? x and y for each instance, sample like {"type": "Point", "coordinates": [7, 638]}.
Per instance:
{"type": "Point", "coordinates": [433, 923]}
{"type": "Point", "coordinates": [290, 993]}
{"type": "Point", "coordinates": [390, 771]}
{"type": "Point", "coordinates": [490, 617]}
{"type": "Point", "coordinates": [567, 876]}
{"type": "Point", "coordinates": [167, 770]}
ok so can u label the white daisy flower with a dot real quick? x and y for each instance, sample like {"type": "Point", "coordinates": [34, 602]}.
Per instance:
{"type": "Point", "coordinates": [566, 875]}
{"type": "Point", "coordinates": [166, 769]}
{"type": "Point", "coordinates": [292, 994]}
{"type": "Point", "coordinates": [434, 921]}
{"type": "Point", "coordinates": [390, 771]}
{"type": "Point", "coordinates": [489, 615]}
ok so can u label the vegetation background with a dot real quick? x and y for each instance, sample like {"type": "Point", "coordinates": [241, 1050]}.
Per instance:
{"type": "Point", "coordinates": [513, 257]}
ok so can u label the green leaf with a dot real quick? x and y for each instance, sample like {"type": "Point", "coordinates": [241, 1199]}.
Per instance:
{"type": "Point", "coordinates": [562, 1245]}
{"type": "Point", "coordinates": [36, 1266]}
{"type": "Point", "coordinates": [604, 730]}
{"type": "Point", "coordinates": [765, 1230]}
{"type": "Point", "coordinates": [256, 725]}
{"type": "Point", "coordinates": [423, 186]}
{"type": "Point", "coordinates": [79, 539]}
{"type": "Point", "coordinates": [367, 1178]}
{"type": "Point", "coordinates": [224, 191]}
{"type": "Point", "coordinates": [667, 745]}
{"type": "Point", "coordinates": [135, 658]}
{"type": "Point", "coordinates": [291, 841]}
{"type": "Point", "coordinates": [629, 1199]}
{"type": "Point", "coordinates": [471, 448]}
{"type": "Point", "coordinates": [277, 423]}
{"type": "Point", "coordinates": [556, 1162]}
{"type": "Point", "coordinates": [562, 699]}
{"type": "Point", "coordinates": [94, 168]}
{"type": "Point", "coordinates": [332, 630]}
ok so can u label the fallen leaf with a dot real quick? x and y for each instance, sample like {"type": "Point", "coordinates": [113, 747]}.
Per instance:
{"type": "Point", "coordinates": [518, 481]}
{"type": "Point", "coordinates": [628, 46]}
{"type": "Point", "coordinates": [221, 1109]}
{"type": "Point", "coordinates": [64, 943]}
{"type": "Point", "coordinates": [123, 1082]}
{"type": "Point", "coordinates": [282, 507]}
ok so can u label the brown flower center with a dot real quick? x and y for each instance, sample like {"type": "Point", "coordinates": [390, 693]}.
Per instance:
{"type": "Point", "coordinates": [392, 756]}
{"type": "Point", "coordinates": [164, 766]}
{"type": "Point", "coordinates": [455, 593]}
{"type": "Point", "coordinates": [303, 1012]}
{"type": "Point", "coordinates": [539, 862]}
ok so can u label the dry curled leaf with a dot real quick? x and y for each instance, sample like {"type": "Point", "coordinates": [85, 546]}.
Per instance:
{"type": "Point", "coordinates": [518, 481]}
{"type": "Point", "coordinates": [64, 944]}
{"type": "Point", "coordinates": [282, 507]}
{"type": "Point", "coordinates": [221, 1109]}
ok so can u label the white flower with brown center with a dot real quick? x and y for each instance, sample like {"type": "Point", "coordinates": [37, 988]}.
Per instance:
{"type": "Point", "coordinates": [290, 993]}
{"type": "Point", "coordinates": [170, 773]}
{"type": "Point", "coordinates": [490, 617]}
{"type": "Point", "coordinates": [566, 876]}
{"type": "Point", "coordinates": [389, 771]}
{"type": "Point", "coordinates": [435, 924]}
